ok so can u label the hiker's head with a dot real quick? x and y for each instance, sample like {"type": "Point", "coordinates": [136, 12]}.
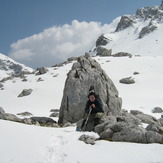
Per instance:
{"type": "Point", "coordinates": [92, 96]}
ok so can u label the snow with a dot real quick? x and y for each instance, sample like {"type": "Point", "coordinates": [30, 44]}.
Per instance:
{"type": "Point", "coordinates": [25, 143]}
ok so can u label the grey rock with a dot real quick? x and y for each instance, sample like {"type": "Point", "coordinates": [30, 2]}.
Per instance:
{"type": "Point", "coordinates": [106, 134]}
{"type": "Point", "coordinates": [6, 78]}
{"type": "Point", "coordinates": [72, 59]}
{"type": "Point", "coordinates": [153, 137]}
{"type": "Point", "coordinates": [87, 139]}
{"type": "Point", "coordinates": [2, 110]}
{"type": "Point", "coordinates": [43, 120]}
{"type": "Point", "coordinates": [129, 119]}
{"type": "Point", "coordinates": [25, 92]}
{"type": "Point", "coordinates": [130, 134]}
{"type": "Point", "coordinates": [41, 70]}
{"type": "Point", "coordinates": [55, 114]}
{"type": "Point", "coordinates": [160, 121]}
{"type": "Point", "coordinates": [27, 121]}
{"type": "Point", "coordinates": [1, 85]}
{"type": "Point", "coordinates": [101, 51]}
{"type": "Point", "coordinates": [25, 114]}
{"type": "Point", "coordinates": [2, 113]}
{"type": "Point", "coordinates": [39, 80]}
{"type": "Point", "coordinates": [12, 117]}
{"type": "Point", "coordinates": [119, 126]}
{"type": "Point", "coordinates": [54, 110]}
{"type": "Point", "coordinates": [101, 127]}
{"type": "Point", "coordinates": [128, 80]}
{"type": "Point", "coordinates": [85, 73]}
{"type": "Point", "coordinates": [136, 112]}
{"type": "Point", "coordinates": [157, 110]}
{"type": "Point", "coordinates": [24, 80]}
{"type": "Point", "coordinates": [122, 54]}
{"type": "Point", "coordinates": [145, 118]}
{"type": "Point", "coordinates": [135, 73]}
{"type": "Point", "coordinates": [153, 127]}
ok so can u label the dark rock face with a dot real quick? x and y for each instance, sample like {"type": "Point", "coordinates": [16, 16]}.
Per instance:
{"type": "Point", "coordinates": [148, 29]}
{"type": "Point", "coordinates": [85, 73]}
{"type": "Point", "coordinates": [126, 21]}
{"type": "Point", "coordinates": [102, 40]}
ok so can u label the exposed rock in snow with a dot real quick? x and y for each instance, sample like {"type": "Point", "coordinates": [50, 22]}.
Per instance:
{"type": "Point", "coordinates": [85, 73]}
{"type": "Point", "coordinates": [128, 80]}
{"type": "Point", "coordinates": [25, 92]}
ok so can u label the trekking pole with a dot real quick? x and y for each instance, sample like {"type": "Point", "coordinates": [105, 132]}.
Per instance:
{"type": "Point", "coordinates": [86, 121]}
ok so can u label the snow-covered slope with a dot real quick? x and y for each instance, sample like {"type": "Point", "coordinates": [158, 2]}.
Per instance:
{"type": "Point", "coordinates": [9, 67]}
{"type": "Point", "coordinates": [144, 95]}
{"type": "Point", "coordinates": [32, 144]}
{"type": "Point", "coordinates": [139, 34]}
{"type": "Point", "coordinates": [25, 143]}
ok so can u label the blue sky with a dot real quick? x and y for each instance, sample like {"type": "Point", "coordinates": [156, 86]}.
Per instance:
{"type": "Point", "coordinates": [23, 18]}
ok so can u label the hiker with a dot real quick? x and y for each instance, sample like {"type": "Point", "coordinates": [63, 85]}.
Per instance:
{"type": "Point", "coordinates": [94, 108]}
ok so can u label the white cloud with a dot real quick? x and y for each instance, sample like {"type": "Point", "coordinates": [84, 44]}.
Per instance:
{"type": "Point", "coordinates": [56, 44]}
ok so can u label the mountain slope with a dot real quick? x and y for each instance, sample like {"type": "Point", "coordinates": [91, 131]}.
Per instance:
{"type": "Point", "coordinates": [139, 34]}
{"type": "Point", "coordinates": [9, 67]}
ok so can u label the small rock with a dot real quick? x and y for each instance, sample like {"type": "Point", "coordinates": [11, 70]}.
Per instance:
{"type": "Point", "coordinates": [135, 73]}
{"type": "Point", "coordinates": [87, 139]}
{"type": "Point", "coordinates": [128, 80]}
{"type": "Point", "coordinates": [157, 110]}
{"type": "Point", "coordinates": [25, 92]}
{"type": "Point", "coordinates": [1, 85]}
{"type": "Point", "coordinates": [55, 114]}
{"type": "Point", "coordinates": [41, 70]}
{"type": "Point", "coordinates": [24, 114]}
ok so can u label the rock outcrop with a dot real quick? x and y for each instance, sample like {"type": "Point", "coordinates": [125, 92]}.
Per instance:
{"type": "Point", "coordinates": [128, 128]}
{"type": "Point", "coordinates": [85, 73]}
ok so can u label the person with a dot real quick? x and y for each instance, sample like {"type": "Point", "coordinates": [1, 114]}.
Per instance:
{"type": "Point", "coordinates": [93, 107]}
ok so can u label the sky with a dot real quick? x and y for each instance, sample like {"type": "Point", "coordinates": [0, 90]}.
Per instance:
{"type": "Point", "coordinates": [24, 23]}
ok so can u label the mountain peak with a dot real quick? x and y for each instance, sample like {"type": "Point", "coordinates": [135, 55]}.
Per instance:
{"type": "Point", "coordinates": [161, 6]}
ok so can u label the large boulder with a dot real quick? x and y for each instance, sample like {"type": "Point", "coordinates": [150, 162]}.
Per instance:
{"type": "Point", "coordinates": [85, 73]}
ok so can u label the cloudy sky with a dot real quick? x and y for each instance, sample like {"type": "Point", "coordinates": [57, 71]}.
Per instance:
{"type": "Point", "coordinates": [45, 32]}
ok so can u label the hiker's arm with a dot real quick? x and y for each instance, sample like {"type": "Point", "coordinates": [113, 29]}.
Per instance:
{"type": "Point", "coordinates": [87, 107]}
{"type": "Point", "coordinates": [98, 107]}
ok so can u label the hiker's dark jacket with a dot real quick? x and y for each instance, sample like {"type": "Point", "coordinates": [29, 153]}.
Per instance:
{"type": "Point", "coordinates": [98, 106]}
